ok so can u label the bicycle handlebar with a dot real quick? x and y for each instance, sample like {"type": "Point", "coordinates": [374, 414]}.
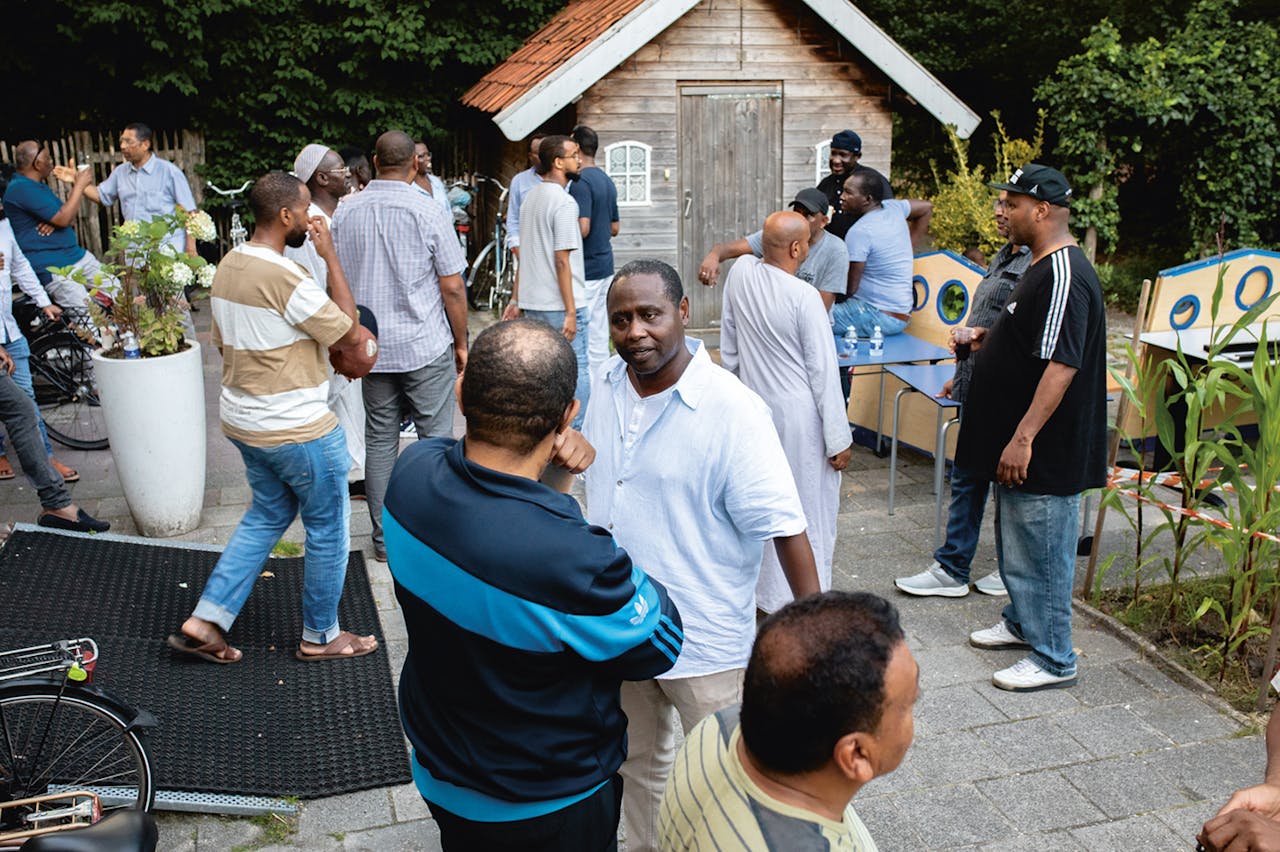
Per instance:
{"type": "Point", "coordinates": [229, 193]}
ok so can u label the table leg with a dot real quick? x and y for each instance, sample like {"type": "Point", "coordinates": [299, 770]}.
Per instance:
{"type": "Point", "coordinates": [939, 471]}
{"type": "Point", "coordinates": [880, 417]}
{"type": "Point", "coordinates": [893, 442]}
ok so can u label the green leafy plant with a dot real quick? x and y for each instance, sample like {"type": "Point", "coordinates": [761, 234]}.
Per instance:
{"type": "Point", "coordinates": [146, 283]}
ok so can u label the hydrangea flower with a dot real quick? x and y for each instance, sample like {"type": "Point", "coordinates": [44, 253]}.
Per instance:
{"type": "Point", "coordinates": [130, 229]}
{"type": "Point", "coordinates": [180, 274]}
{"type": "Point", "coordinates": [205, 274]}
{"type": "Point", "coordinates": [200, 226]}
{"type": "Point", "coordinates": [167, 250]}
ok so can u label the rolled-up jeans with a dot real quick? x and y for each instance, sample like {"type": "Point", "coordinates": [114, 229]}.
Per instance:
{"type": "Point", "coordinates": [864, 317]}
{"type": "Point", "coordinates": [311, 478]}
{"type": "Point", "coordinates": [1036, 551]}
{"type": "Point", "coordinates": [555, 319]}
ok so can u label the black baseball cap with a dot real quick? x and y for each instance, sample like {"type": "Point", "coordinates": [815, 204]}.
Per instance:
{"type": "Point", "coordinates": [1043, 183]}
{"type": "Point", "coordinates": [813, 200]}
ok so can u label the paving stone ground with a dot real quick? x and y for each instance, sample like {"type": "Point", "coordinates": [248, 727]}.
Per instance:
{"type": "Point", "coordinates": [1129, 759]}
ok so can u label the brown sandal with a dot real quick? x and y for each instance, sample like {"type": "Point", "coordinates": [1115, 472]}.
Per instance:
{"type": "Point", "coordinates": [211, 651]}
{"type": "Point", "coordinates": [6, 469]}
{"type": "Point", "coordinates": [342, 648]}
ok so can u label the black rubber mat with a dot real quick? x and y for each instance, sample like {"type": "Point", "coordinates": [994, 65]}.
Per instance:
{"type": "Point", "coordinates": [268, 725]}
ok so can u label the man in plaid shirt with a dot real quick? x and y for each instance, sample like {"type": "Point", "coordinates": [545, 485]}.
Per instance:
{"type": "Point", "coordinates": [405, 265]}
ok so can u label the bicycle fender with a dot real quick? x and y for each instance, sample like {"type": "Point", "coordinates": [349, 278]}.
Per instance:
{"type": "Point", "coordinates": [135, 718]}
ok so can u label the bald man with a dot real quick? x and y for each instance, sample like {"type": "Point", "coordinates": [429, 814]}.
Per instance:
{"type": "Point", "coordinates": [775, 336]}
{"type": "Point", "coordinates": [42, 225]}
{"type": "Point", "coordinates": [399, 250]}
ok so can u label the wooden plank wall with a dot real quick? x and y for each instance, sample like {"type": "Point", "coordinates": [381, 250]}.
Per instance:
{"type": "Point", "coordinates": [98, 148]}
{"type": "Point", "coordinates": [827, 86]}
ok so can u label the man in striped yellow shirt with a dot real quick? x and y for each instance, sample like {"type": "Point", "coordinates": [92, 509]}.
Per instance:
{"type": "Point", "coordinates": [826, 706]}
{"type": "Point", "coordinates": [274, 325]}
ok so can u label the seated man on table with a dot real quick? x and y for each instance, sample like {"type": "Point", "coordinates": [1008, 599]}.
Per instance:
{"type": "Point", "coordinates": [826, 707]}
{"type": "Point", "coordinates": [880, 246]}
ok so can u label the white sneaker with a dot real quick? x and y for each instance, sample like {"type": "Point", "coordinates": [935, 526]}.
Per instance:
{"type": "Point", "coordinates": [999, 636]}
{"type": "Point", "coordinates": [991, 585]}
{"type": "Point", "coordinates": [934, 581]}
{"type": "Point", "coordinates": [1026, 676]}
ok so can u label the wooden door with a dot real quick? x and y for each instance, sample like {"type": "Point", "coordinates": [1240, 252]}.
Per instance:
{"type": "Point", "coordinates": [730, 167]}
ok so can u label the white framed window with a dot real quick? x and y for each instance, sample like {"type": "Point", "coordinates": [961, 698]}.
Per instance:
{"type": "Point", "coordinates": [821, 161]}
{"type": "Point", "coordinates": [628, 162]}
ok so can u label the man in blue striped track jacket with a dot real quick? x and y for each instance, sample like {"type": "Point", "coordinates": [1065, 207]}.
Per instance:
{"type": "Point", "coordinates": [523, 619]}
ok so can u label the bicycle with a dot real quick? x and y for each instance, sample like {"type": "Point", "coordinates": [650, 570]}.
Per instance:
{"type": "Point", "coordinates": [62, 377]}
{"type": "Point", "coordinates": [493, 273]}
{"type": "Point", "coordinates": [70, 752]}
{"type": "Point", "coordinates": [237, 232]}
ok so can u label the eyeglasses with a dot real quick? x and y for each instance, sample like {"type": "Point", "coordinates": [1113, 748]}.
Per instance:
{"type": "Point", "coordinates": [343, 172]}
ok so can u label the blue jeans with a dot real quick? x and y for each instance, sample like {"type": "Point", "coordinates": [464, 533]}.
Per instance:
{"type": "Point", "coordinates": [1036, 550]}
{"type": "Point", "coordinates": [864, 317]}
{"type": "Point", "coordinates": [964, 522]}
{"type": "Point", "coordinates": [555, 319]}
{"type": "Point", "coordinates": [312, 478]}
{"type": "Point", "coordinates": [20, 351]}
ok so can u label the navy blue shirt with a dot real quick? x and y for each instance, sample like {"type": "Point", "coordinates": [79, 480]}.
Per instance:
{"type": "Point", "coordinates": [523, 621]}
{"type": "Point", "coordinates": [27, 204]}
{"type": "Point", "coordinates": [597, 198]}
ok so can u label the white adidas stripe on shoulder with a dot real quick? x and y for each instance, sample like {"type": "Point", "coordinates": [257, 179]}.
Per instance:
{"type": "Point", "coordinates": [1060, 261]}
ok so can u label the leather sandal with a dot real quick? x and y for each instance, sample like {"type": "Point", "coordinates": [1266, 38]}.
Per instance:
{"type": "Point", "coordinates": [213, 651]}
{"type": "Point", "coordinates": [68, 474]}
{"type": "Point", "coordinates": [342, 648]}
{"type": "Point", "coordinates": [6, 469]}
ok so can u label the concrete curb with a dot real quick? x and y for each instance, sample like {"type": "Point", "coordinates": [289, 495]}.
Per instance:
{"type": "Point", "coordinates": [1178, 673]}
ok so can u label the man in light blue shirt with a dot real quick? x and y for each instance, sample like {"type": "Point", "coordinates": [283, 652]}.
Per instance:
{"type": "Point", "coordinates": [879, 290]}
{"type": "Point", "coordinates": [520, 186]}
{"type": "Point", "coordinates": [146, 185]}
{"type": "Point", "coordinates": [427, 183]}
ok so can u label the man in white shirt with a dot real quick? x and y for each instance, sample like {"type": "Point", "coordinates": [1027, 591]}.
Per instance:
{"type": "Point", "coordinates": [431, 185]}
{"type": "Point", "coordinates": [550, 281]}
{"type": "Point", "coordinates": [327, 177]}
{"type": "Point", "coordinates": [691, 479]}
{"type": "Point", "coordinates": [520, 186]}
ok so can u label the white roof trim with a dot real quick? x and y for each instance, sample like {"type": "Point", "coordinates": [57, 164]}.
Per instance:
{"type": "Point", "coordinates": [644, 23]}
{"type": "Point", "coordinates": [585, 68]}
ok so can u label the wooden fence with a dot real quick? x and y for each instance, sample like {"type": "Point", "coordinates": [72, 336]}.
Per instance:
{"type": "Point", "coordinates": [94, 223]}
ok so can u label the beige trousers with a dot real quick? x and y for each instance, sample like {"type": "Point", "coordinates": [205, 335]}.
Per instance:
{"type": "Point", "coordinates": [651, 741]}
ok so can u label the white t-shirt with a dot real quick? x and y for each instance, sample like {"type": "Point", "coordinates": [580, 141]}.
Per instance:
{"type": "Point", "coordinates": [693, 499]}
{"type": "Point", "coordinates": [549, 223]}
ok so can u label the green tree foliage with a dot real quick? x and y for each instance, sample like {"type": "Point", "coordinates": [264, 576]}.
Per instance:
{"type": "Point", "coordinates": [261, 79]}
{"type": "Point", "coordinates": [962, 214]}
{"type": "Point", "coordinates": [1198, 106]}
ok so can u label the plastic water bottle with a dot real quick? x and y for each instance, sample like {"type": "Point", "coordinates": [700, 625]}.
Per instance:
{"type": "Point", "coordinates": [877, 343]}
{"type": "Point", "coordinates": [851, 342]}
{"type": "Point", "coordinates": [130, 344]}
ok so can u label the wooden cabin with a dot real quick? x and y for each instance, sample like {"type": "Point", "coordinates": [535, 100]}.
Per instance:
{"type": "Point", "coordinates": [711, 113]}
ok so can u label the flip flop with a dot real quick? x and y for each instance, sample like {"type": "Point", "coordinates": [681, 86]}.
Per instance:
{"type": "Point", "coordinates": [6, 469]}
{"type": "Point", "coordinates": [208, 651]}
{"type": "Point", "coordinates": [338, 647]}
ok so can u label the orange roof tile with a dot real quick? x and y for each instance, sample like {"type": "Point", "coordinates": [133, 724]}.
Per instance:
{"type": "Point", "coordinates": [573, 28]}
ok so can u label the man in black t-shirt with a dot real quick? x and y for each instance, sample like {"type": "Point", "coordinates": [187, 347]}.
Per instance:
{"type": "Point", "coordinates": [846, 150]}
{"type": "Point", "coordinates": [1035, 422]}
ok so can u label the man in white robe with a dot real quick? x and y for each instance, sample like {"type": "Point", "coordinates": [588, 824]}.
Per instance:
{"type": "Point", "coordinates": [776, 337]}
{"type": "Point", "coordinates": [323, 171]}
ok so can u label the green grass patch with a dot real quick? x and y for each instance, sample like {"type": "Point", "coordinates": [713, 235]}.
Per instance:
{"type": "Point", "coordinates": [286, 548]}
{"type": "Point", "coordinates": [1194, 643]}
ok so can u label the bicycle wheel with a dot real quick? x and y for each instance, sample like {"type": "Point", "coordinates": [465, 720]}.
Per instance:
{"type": "Point", "coordinates": [62, 374]}
{"type": "Point", "coordinates": [501, 294]}
{"type": "Point", "coordinates": [51, 743]}
{"type": "Point", "coordinates": [484, 275]}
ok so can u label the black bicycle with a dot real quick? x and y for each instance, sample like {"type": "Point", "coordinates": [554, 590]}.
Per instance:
{"type": "Point", "coordinates": [70, 752]}
{"type": "Point", "coordinates": [62, 375]}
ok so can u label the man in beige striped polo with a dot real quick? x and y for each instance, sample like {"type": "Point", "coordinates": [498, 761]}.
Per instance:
{"type": "Point", "coordinates": [274, 325]}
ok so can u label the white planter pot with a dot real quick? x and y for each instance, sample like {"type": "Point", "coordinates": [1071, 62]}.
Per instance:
{"type": "Point", "coordinates": [154, 409]}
